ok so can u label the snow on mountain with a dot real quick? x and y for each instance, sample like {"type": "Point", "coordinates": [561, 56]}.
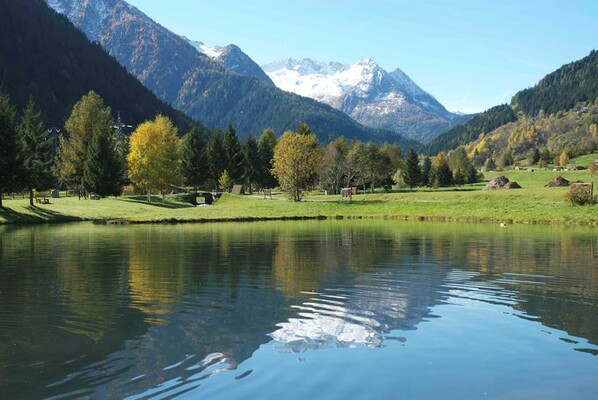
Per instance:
{"type": "Point", "coordinates": [210, 51]}
{"type": "Point", "coordinates": [326, 82]}
{"type": "Point", "coordinates": [233, 58]}
{"type": "Point", "coordinates": [367, 93]}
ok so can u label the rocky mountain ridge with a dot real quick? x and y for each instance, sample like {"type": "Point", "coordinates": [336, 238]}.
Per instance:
{"type": "Point", "coordinates": [368, 93]}
{"type": "Point", "coordinates": [201, 86]}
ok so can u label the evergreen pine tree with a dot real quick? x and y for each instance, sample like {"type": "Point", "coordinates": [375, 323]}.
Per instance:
{"type": "Point", "coordinates": [304, 129]}
{"type": "Point", "coordinates": [426, 170]}
{"type": "Point", "coordinates": [472, 175]}
{"type": "Point", "coordinates": [103, 168]}
{"type": "Point", "coordinates": [90, 117]}
{"type": "Point", "coordinates": [490, 164]}
{"type": "Point", "coordinates": [36, 150]}
{"type": "Point", "coordinates": [458, 177]}
{"type": "Point", "coordinates": [412, 172]}
{"type": "Point", "coordinates": [234, 154]}
{"type": "Point", "coordinates": [10, 167]}
{"type": "Point", "coordinates": [252, 162]}
{"type": "Point", "coordinates": [442, 175]}
{"type": "Point", "coordinates": [216, 157]}
{"type": "Point", "coordinates": [265, 146]}
{"type": "Point", "coordinates": [194, 157]}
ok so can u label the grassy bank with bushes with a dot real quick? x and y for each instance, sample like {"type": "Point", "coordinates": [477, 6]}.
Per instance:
{"type": "Point", "coordinates": [534, 203]}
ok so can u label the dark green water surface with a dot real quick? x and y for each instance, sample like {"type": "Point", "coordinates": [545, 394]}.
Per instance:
{"type": "Point", "coordinates": [298, 310]}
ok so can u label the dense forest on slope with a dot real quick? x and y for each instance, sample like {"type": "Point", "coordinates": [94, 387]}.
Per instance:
{"type": "Point", "coordinates": [203, 88]}
{"type": "Point", "coordinates": [562, 89]}
{"type": "Point", "coordinates": [559, 91]}
{"type": "Point", "coordinates": [44, 56]}
{"type": "Point", "coordinates": [540, 138]}
{"type": "Point", "coordinates": [484, 122]}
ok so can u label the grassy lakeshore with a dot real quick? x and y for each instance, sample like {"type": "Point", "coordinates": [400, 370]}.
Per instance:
{"type": "Point", "coordinates": [532, 204]}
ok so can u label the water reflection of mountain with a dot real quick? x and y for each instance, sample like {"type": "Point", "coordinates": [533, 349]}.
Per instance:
{"type": "Point", "coordinates": [360, 285]}
{"type": "Point", "coordinates": [112, 311]}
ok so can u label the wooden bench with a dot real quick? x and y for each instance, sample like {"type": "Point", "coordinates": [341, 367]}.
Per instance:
{"type": "Point", "coordinates": [42, 198]}
{"type": "Point", "coordinates": [267, 193]}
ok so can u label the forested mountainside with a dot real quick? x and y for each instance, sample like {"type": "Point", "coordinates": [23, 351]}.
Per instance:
{"type": "Point", "coordinates": [483, 122]}
{"type": "Point", "coordinates": [44, 56]}
{"type": "Point", "coordinates": [572, 85]}
{"type": "Point", "coordinates": [202, 87]}
{"type": "Point", "coordinates": [562, 89]}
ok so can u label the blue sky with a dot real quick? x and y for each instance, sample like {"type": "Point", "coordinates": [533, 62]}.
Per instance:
{"type": "Point", "coordinates": [470, 55]}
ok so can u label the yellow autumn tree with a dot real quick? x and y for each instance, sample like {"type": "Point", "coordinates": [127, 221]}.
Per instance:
{"type": "Point", "coordinates": [297, 159]}
{"type": "Point", "coordinates": [564, 159]}
{"type": "Point", "coordinates": [154, 156]}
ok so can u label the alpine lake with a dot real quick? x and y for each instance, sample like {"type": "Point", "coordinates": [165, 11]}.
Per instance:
{"type": "Point", "coordinates": [299, 310]}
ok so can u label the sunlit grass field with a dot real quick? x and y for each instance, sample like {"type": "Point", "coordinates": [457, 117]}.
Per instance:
{"type": "Point", "coordinates": [532, 204]}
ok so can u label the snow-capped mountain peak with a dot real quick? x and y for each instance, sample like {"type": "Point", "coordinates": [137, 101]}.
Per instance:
{"type": "Point", "coordinates": [210, 51]}
{"type": "Point", "coordinates": [365, 91]}
{"type": "Point", "coordinates": [232, 57]}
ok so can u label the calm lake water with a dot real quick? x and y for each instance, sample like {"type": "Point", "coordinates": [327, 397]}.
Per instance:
{"type": "Point", "coordinates": [298, 310]}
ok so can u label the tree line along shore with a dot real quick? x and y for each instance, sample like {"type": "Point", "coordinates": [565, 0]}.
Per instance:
{"type": "Point", "coordinates": [94, 158]}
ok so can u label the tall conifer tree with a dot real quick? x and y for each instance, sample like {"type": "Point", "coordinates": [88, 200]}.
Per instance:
{"type": "Point", "coordinates": [194, 157]}
{"type": "Point", "coordinates": [252, 162]}
{"type": "Point", "coordinates": [90, 117]}
{"type": "Point", "coordinates": [412, 171]}
{"type": "Point", "coordinates": [36, 150]}
{"type": "Point", "coordinates": [234, 154]}
{"type": "Point", "coordinates": [9, 149]}
{"type": "Point", "coordinates": [265, 147]}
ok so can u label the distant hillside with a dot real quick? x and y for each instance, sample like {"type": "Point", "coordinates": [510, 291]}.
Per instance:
{"type": "Point", "coordinates": [544, 137]}
{"type": "Point", "coordinates": [559, 91]}
{"type": "Point", "coordinates": [200, 86]}
{"type": "Point", "coordinates": [43, 55]}
{"type": "Point", "coordinates": [482, 123]}
{"type": "Point", "coordinates": [562, 89]}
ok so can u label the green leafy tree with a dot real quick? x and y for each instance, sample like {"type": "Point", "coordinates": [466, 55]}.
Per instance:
{"type": "Point", "coordinates": [194, 157]}
{"type": "Point", "coordinates": [441, 172]}
{"type": "Point", "coordinates": [252, 162]}
{"type": "Point", "coordinates": [393, 151]}
{"type": "Point", "coordinates": [154, 159]}
{"type": "Point", "coordinates": [376, 165]}
{"type": "Point", "coordinates": [462, 167]}
{"type": "Point", "coordinates": [506, 159]}
{"type": "Point", "coordinates": [233, 153]}
{"type": "Point", "coordinates": [90, 117]}
{"type": "Point", "coordinates": [412, 171]}
{"type": "Point", "coordinates": [334, 167]}
{"type": "Point", "coordinates": [36, 150]}
{"type": "Point", "coordinates": [265, 147]}
{"type": "Point", "coordinates": [225, 182]}
{"type": "Point", "coordinates": [10, 167]}
{"type": "Point", "coordinates": [357, 164]}
{"type": "Point", "coordinates": [103, 168]}
{"type": "Point", "coordinates": [297, 158]}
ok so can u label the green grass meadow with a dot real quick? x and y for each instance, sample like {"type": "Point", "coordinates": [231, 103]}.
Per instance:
{"type": "Point", "coordinates": [532, 204]}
